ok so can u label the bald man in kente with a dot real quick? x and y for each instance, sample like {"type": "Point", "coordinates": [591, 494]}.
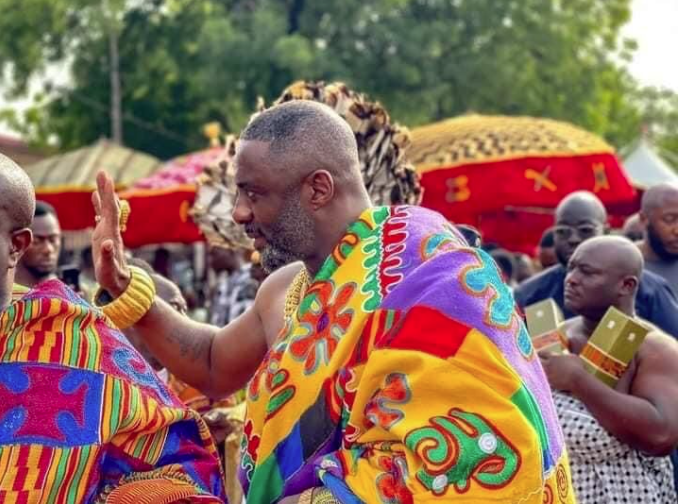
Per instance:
{"type": "Point", "coordinates": [347, 341]}
{"type": "Point", "coordinates": [579, 217]}
{"type": "Point", "coordinates": [659, 217]}
{"type": "Point", "coordinates": [83, 418]}
{"type": "Point", "coordinates": [618, 438]}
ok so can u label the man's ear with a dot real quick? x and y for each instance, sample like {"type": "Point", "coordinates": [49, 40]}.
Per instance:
{"type": "Point", "coordinates": [321, 183]}
{"type": "Point", "coordinates": [21, 240]}
{"type": "Point", "coordinates": [644, 219]}
{"type": "Point", "coordinates": [629, 285]}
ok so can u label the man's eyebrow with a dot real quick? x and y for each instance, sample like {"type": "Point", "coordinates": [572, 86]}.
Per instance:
{"type": "Point", "coordinates": [584, 263]}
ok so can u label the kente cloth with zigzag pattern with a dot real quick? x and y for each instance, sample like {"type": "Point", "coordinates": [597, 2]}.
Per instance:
{"type": "Point", "coordinates": [405, 375]}
{"type": "Point", "coordinates": [83, 418]}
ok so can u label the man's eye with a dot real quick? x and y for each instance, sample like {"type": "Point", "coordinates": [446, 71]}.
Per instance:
{"type": "Point", "coordinates": [586, 230]}
{"type": "Point", "coordinates": [563, 231]}
{"type": "Point", "coordinates": [250, 194]}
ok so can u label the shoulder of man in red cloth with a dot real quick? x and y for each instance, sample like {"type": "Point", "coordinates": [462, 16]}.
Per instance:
{"type": "Point", "coordinates": [163, 448]}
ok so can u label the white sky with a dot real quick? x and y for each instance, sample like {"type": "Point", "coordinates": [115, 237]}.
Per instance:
{"type": "Point", "coordinates": [654, 25]}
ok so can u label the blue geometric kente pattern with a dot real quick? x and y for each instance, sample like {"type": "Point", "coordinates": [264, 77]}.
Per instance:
{"type": "Point", "coordinates": [486, 276]}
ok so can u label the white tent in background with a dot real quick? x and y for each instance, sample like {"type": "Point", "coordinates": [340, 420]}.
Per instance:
{"type": "Point", "coordinates": [646, 168]}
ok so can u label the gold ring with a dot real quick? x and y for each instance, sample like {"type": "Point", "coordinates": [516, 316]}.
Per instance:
{"type": "Point", "coordinates": [125, 212]}
{"type": "Point", "coordinates": [97, 219]}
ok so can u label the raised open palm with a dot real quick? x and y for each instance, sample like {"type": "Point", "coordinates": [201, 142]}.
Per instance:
{"type": "Point", "coordinates": [107, 246]}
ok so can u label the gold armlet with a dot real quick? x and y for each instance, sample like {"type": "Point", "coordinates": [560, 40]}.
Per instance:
{"type": "Point", "coordinates": [296, 291]}
{"type": "Point", "coordinates": [306, 497]}
{"type": "Point", "coordinates": [323, 496]}
{"type": "Point", "coordinates": [133, 304]}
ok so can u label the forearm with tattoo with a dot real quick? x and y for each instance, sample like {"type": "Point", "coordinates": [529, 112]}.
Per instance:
{"type": "Point", "coordinates": [180, 344]}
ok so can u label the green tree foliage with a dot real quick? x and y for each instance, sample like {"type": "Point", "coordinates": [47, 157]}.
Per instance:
{"type": "Point", "coordinates": [187, 62]}
{"type": "Point", "coordinates": [660, 120]}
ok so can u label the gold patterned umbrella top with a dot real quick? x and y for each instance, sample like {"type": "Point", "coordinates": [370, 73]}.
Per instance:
{"type": "Point", "coordinates": [485, 139]}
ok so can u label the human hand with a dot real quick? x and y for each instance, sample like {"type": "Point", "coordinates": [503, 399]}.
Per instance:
{"type": "Point", "coordinates": [108, 249]}
{"type": "Point", "coordinates": [562, 371]}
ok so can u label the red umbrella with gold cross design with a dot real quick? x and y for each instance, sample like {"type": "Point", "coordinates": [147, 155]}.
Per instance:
{"type": "Point", "coordinates": [505, 175]}
{"type": "Point", "coordinates": [161, 203]}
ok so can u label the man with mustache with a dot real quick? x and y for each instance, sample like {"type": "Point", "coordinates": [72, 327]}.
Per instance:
{"type": "Point", "coordinates": [659, 216]}
{"type": "Point", "coordinates": [618, 439]}
{"type": "Point", "coordinates": [367, 308]}
{"type": "Point", "coordinates": [579, 217]}
{"type": "Point", "coordinates": [40, 261]}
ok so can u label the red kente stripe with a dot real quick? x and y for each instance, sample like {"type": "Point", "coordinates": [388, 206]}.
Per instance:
{"type": "Point", "coordinates": [427, 330]}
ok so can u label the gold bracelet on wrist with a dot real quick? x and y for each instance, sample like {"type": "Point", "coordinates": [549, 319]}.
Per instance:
{"type": "Point", "coordinates": [134, 303]}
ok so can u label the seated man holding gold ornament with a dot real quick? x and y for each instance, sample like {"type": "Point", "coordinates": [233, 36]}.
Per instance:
{"type": "Point", "coordinates": [618, 437]}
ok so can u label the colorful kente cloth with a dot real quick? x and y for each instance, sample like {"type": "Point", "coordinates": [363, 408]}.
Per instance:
{"type": "Point", "coordinates": [83, 418]}
{"type": "Point", "coordinates": [18, 291]}
{"type": "Point", "coordinates": [405, 375]}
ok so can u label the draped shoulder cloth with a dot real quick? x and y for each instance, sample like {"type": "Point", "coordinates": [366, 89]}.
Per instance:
{"type": "Point", "coordinates": [83, 418]}
{"type": "Point", "coordinates": [405, 375]}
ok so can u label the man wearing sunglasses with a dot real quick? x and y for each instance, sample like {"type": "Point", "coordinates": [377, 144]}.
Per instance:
{"type": "Point", "coordinates": [581, 216]}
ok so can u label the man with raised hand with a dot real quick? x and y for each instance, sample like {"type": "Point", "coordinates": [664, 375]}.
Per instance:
{"type": "Point", "coordinates": [367, 308]}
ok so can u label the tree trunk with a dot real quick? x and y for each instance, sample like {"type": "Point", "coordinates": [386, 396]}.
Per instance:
{"type": "Point", "coordinates": [296, 9]}
{"type": "Point", "coordinates": [116, 98]}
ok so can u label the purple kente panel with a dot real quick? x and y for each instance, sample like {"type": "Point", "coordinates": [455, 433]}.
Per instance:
{"type": "Point", "coordinates": [440, 282]}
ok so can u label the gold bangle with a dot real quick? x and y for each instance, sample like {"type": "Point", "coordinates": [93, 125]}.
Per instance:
{"type": "Point", "coordinates": [134, 303]}
{"type": "Point", "coordinates": [125, 212]}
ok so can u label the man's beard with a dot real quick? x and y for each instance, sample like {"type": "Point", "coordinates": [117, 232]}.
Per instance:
{"type": "Point", "coordinates": [290, 238]}
{"type": "Point", "coordinates": [41, 274]}
{"type": "Point", "coordinates": [657, 245]}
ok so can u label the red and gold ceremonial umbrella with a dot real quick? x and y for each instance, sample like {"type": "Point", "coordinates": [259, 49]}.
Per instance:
{"type": "Point", "coordinates": [66, 181]}
{"type": "Point", "coordinates": [505, 175]}
{"type": "Point", "coordinates": [160, 203]}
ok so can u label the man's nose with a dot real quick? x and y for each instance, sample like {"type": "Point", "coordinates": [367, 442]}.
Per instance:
{"type": "Point", "coordinates": [571, 278]}
{"type": "Point", "coordinates": [242, 214]}
{"type": "Point", "coordinates": [574, 239]}
{"type": "Point", "coordinates": [45, 247]}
